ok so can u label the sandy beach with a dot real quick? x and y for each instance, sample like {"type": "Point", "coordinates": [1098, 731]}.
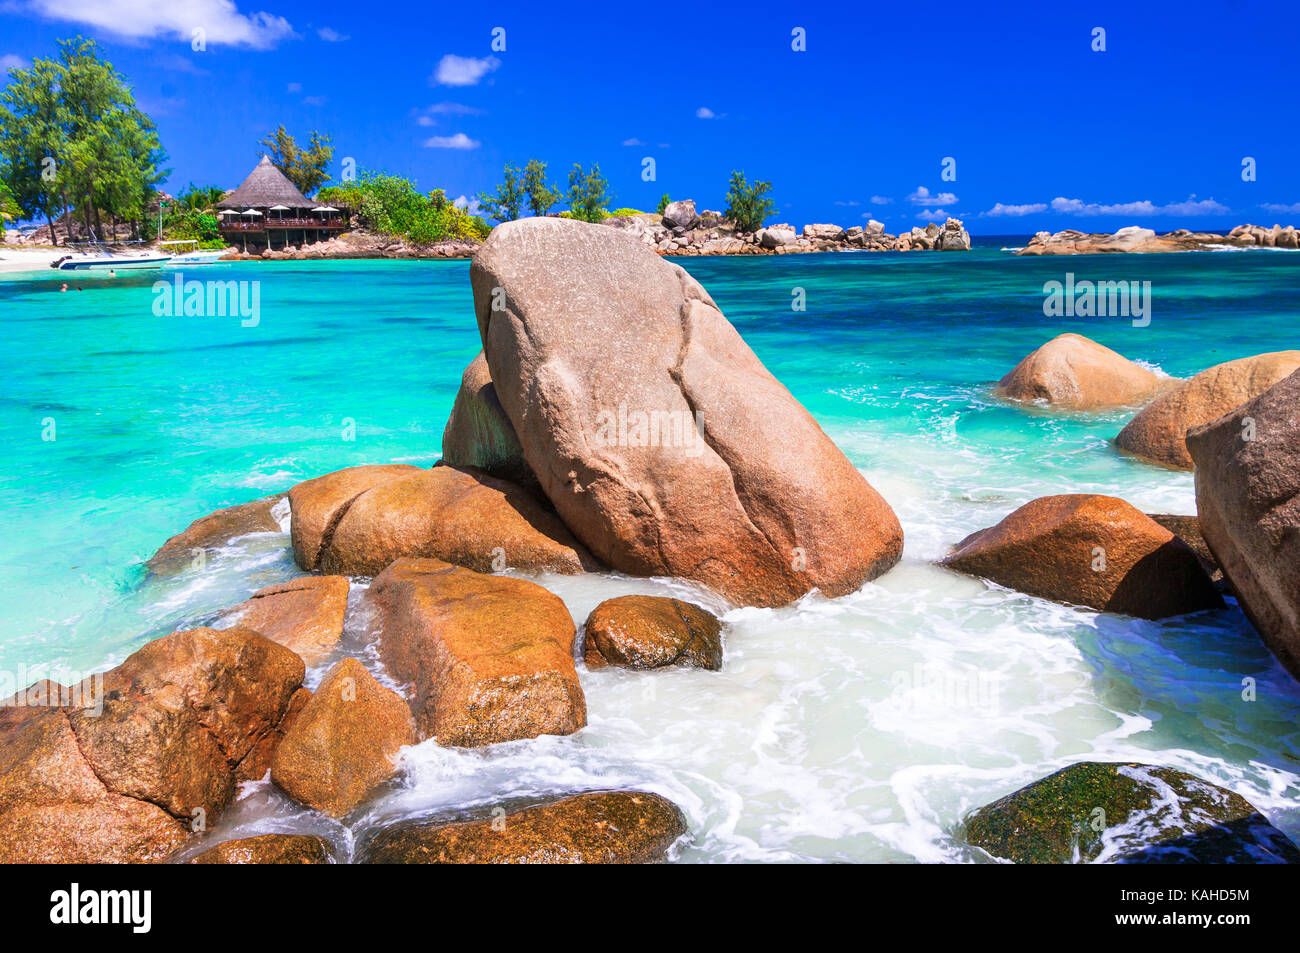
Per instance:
{"type": "Point", "coordinates": [27, 259]}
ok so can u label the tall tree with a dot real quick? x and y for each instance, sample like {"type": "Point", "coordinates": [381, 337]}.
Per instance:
{"type": "Point", "coordinates": [588, 193]}
{"type": "Point", "coordinates": [305, 168]}
{"type": "Point", "coordinates": [748, 205]}
{"type": "Point", "coordinates": [539, 194]}
{"type": "Point", "coordinates": [507, 202]}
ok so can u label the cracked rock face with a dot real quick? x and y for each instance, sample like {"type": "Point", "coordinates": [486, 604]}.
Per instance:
{"type": "Point", "coordinates": [183, 720]}
{"type": "Point", "coordinates": [664, 444]}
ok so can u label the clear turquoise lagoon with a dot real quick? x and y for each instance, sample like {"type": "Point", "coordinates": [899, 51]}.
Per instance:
{"type": "Point", "coordinates": [857, 729]}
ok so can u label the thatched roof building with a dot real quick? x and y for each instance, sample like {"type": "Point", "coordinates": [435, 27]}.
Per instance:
{"type": "Point", "coordinates": [268, 210]}
{"type": "Point", "coordinates": [266, 186]}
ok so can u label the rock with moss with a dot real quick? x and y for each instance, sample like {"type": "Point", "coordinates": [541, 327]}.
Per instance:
{"type": "Point", "coordinates": [1126, 813]}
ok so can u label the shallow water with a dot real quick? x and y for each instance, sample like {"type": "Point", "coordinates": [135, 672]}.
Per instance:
{"type": "Point", "coordinates": [862, 728]}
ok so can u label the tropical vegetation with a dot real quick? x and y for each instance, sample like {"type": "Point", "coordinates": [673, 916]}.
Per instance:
{"type": "Point", "coordinates": [392, 205]}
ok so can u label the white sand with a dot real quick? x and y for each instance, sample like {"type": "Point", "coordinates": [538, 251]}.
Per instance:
{"type": "Point", "coordinates": [28, 259]}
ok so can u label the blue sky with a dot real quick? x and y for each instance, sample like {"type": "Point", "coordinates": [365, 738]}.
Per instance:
{"type": "Point", "coordinates": [1045, 132]}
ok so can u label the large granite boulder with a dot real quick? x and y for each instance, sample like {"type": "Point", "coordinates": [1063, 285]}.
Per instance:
{"type": "Point", "coordinates": [776, 237]}
{"type": "Point", "coordinates": [652, 632]}
{"type": "Point", "coordinates": [317, 505]}
{"type": "Point", "coordinates": [1077, 373]}
{"type": "Point", "coordinates": [1248, 500]}
{"type": "Point", "coordinates": [1095, 812]}
{"type": "Point", "coordinates": [208, 534]}
{"type": "Point", "coordinates": [823, 233]}
{"type": "Point", "coordinates": [1159, 432]}
{"type": "Point", "coordinates": [145, 757]}
{"type": "Point", "coordinates": [478, 432]}
{"type": "Point", "coordinates": [457, 514]}
{"type": "Point", "coordinates": [1095, 551]}
{"type": "Point", "coordinates": [664, 444]}
{"type": "Point", "coordinates": [345, 741]}
{"type": "Point", "coordinates": [304, 614]}
{"type": "Point", "coordinates": [268, 849]}
{"type": "Point", "coordinates": [604, 827]}
{"type": "Point", "coordinates": [952, 236]}
{"type": "Point", "coordinates": [680, 214]}
{"type": "Point", "coordinates": [488, 658]}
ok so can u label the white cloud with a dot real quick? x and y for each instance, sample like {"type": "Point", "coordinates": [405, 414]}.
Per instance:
{"type": "Point", "coordinates": [220, 20]}
{"type": "Point", "coordinates": [456, 70]}
{"type": "Point", "coordinates": [330, 35]}
{"type": "Point", "coordinates": [881, 200]}
{"type": "Point", "coordinates": [1282, 209]}
{"type": "Point", "coordinates": [458, 141]}
{"type": "Point", "coordinates": [294, 88]}
{"type": "Point", "coordinates": [1014, 211]}
{"type": "Point", "coordinates": [424, 117]}
{"type": "Point", "coordinates": [11, 61]}
{"type": "Point", "coordinates": [633, 142]}
{"type": "Point", "coordinates": [932, 215]}
{"type": "Point", "coordinates": [1191, 206]}
{"type": "Point", "coordinates": [849, 204]}
{"type": "Point", "coordinates": [923, 197]}
{"type": "Point", "coordinates": [467, 204]}
{"type": "Point", "coordinates": [315, 100]}
{"type": "Point", "coordinates": [704, 112]}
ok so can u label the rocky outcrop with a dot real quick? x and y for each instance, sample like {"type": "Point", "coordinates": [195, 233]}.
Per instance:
{"type": "Point", "coordinates": [1095, 551]}
{"type": "Point", "coordinates": [1126, 814]}
{"type": "Point", "coordinates": [1158, 433]}
{"type": "Point", "coordinates": [670, 449]}
{"type": "Point", "coordinates": [304, 614]}
{"type": "Point", "coordinates": [459, 515]}
{"type": "Point", "coordinates": [268, 849]}
{"type": "Point", "coordinates": [680, 214]}
{"type": "Point", "coordinates": [150, 755]}
{"type": "Point", "coordinates": [1143, 240]}
{"type": "Point", "coordinates": [1188, 529]}
{"type": "Point", "coordinates": [1248, 500]}
{"type": "Point", "coordinates": [478, 432]}
{"type": "Point", "coordinates": [360, 244]}
{"type": "Point", "coordinates": [711, 233]}
{"type": "Point", "coordinates": [605, 827]}
{"type": "Point", "coordinates": [206, 535]}
{"type": "Point", "coordinates": [488, 658]}
{"type": "Point", "coordinates": [345, 741]}
{"type": "Point", "coordinates": [1077, 373]}
{"type": "Point", "coordinates": [652, 632]}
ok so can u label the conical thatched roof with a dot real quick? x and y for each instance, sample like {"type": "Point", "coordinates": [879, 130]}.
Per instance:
{"type": "Point", "coordinates": [265, 186]}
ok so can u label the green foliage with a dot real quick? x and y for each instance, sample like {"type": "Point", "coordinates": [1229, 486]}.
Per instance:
{"type": "Point", "coordinates": [305, 168]}
{"type": "Point", "coordinates": [540, 196]}
{"type": "Point", "coordinates": [198, 198]}
{"type": "Point", "coordinates": [624, 211]}
{"type": "Point", "coordinates": [391, 205]}
{"type": "Point", "coordinates": [664, 202]}
{"type": "Point", "coordinates": [588, 193]}
{"type": "Point", "coordinates": [748, 205]}
{"type": "Point", "coordinates": [507, 202]}
{"type": "Point", "coordinates": [8, 204]}
{"type": "Point", "coordinates": [72, 135]}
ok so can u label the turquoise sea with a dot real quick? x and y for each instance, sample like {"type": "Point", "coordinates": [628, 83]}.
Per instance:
{"type": "Point", "coordinates": [857, 729]}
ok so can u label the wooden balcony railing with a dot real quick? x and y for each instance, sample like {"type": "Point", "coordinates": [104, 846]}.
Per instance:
{"type": "Point", "coordinates": [231, 224]}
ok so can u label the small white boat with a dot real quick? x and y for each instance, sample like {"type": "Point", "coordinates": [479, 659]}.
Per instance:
{"type": "Point", "coordinates": [104, 260]}
{"type": "Point", "coordinates": [194, 255]}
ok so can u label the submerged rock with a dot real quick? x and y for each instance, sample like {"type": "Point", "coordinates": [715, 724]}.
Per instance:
{"type": "Point", "coordinates": [345, 741]}
{"type": "Point", "coordinates": [652, 632]}
{"type": "Point", "coordinates": [1248, 498]}
{"type": "Point", "coordinates": [1159, 432]}
{"type": "Point", "coordinates": [1076, 372]}
{"type": "Point", "coordinates": [478, 432]}
{"type": "Point", "coordinates": [488, 658]}
{"type": "Point", "coordinates": [605, 827]}
{"type": "Point", "coordinates": [304, 614]}
{"type": "Point", "coordinates": [1128, 814]}
{"type": "Point", "coordinates": [663, 442]}
{"type": "Point", "coordinates": [268, 849]}
{"type": "Point", "coordinates": [1088, 550]}
{"type": "Point", "coordinates": [182, 720]}
{"type": "Point", "coordinates": [210, 533]}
